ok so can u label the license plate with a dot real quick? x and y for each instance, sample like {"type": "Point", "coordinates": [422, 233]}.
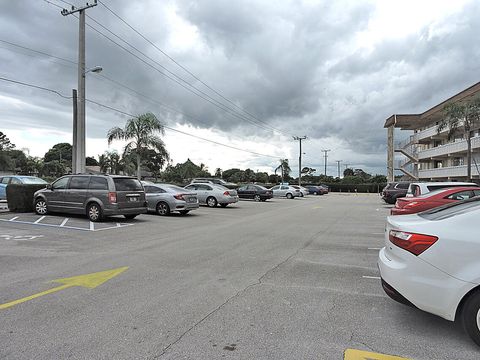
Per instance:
{"type": "Point", "coordinates": [133, 199]}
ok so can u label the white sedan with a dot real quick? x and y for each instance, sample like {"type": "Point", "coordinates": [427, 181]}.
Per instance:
{"type": "Point", "coordinates": [431, 261]}
{"type": "Point", "coordinates": [285, 191]}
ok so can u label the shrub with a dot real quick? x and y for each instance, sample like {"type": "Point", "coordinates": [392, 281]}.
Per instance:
{"type": "Point", "coordinates": [20, 196]}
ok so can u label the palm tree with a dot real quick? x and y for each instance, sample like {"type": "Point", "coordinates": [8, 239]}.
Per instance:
{"type": "Point", "coordinates": [462, 118]}
{"type": "Point", "coordinates": [141, 131]}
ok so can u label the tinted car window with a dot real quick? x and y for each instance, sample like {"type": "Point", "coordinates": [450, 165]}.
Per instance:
{"type": "Point", "coordinates": [33, 180]}
{"type": "Point", "coordinates": [98, 183]}
{"type": "Point", "coordinates": [79, 182]}
{"type": "Point", "coordinates": [463, 195]}
{"type": "Point", "coordinates": [5, 180]}
{"type": "Point", "coordinates": [403, 185]}
{"type": "Point", "coordinates": [60, 183]}
{"type": "Point", "coordinates": [476, 192]}
{"type": "Point", "coordinates": [15, 181]}
{"type": "Point", "coordinates": [191, 187]}
{"type": "Point", "coordinates": [127, 184]}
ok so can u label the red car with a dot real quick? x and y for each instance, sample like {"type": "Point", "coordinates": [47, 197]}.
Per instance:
{"type": "Point", "coordinates": [412, 205]}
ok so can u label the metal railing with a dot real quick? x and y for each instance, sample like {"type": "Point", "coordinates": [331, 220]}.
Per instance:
{"type": "Point", "coordinates": [451, 148]}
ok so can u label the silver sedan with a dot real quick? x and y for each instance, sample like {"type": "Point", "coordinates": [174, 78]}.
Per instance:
{"type": "Point", "coordinates": [212, 194]}
{"type": "Point", "coordinates": [165, 198]}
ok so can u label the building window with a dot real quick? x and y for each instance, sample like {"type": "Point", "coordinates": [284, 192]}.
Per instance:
{"type": "Point", "coordinates": [438, 164]}
{"type": "Point", "coordinates": [458, 161]}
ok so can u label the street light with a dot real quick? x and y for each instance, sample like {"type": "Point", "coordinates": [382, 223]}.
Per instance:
{"type": "Point", "coordinates": [79, 133]}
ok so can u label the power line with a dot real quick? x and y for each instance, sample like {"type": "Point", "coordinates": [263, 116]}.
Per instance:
{"type": "Point", "coordinates": [114, 82]}
{"type": "Point", "coordinates": [185, 69]}
{"type": "Point", "coordinates": [131, 115]}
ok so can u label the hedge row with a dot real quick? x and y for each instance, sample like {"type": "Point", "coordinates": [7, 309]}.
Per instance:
{"type": "Point", "coordinates": [361, 188]}
{"type": "Point", "coordinates": [20, 196]}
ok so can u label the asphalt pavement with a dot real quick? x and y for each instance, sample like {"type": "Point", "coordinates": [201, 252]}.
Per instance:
{"type": "Point", "coordinates": [282, 279]}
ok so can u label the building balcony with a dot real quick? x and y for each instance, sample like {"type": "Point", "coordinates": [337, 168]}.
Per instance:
{"type": "Point", "coordinates": [447, 149]}
{"type": "Point", "coordinates": [447, 172]}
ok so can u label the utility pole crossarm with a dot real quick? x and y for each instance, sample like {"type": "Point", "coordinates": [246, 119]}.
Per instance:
{"type": "Point", "coordinates": [66, 12]}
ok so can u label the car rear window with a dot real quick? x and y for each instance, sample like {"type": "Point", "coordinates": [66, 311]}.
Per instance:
{"type": "Point", "coordinates": [403, 185]}
{"type": "Point", "coordinates": [127, 184]}
{"type": "Point", "coordinates": [176, 188]}
{"type": "Point", "coordinates": [34, 180]}
{"type": "Point", "coordinates": [451, 210]}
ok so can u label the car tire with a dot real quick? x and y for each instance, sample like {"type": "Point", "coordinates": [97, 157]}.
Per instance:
{"type": "Point", "coordinates": [315, 193]}
{"type": "Point", "coordinates": [163, 209]}
{"type": "Point", "coordinates": [212, 202]}
{"type": "Point", "coordinates": [257, 198]}
{"type": "Point", "coordinates": [223, 205]}
{"type": "Point", "coordinates": [470, 316]}
{"type": "Point", "coordinates": [41, 207]}
{"type": "Point", "coordinates": [130, 216]}
{"type": "Point", "coordinates": [289, 196]}
{"type": "Point", "coordinates": [94, 212]}
{"type": "Point", "coordinates": [184, 212]}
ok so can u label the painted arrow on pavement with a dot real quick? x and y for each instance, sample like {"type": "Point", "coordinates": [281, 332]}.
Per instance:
{"type": "Point", "coordinates": [89, 281]}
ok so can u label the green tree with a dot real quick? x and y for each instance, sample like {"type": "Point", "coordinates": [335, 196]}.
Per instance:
{"type": "Point", "coordinates": [5, 143]}
{"type": "Point", "coordinates": [218, 173]}
{"type": "Point", "coordinates": [90, 161]}
{"type": "Point", "coordinates": [348, 172]}
{"type": "Point", "coordinates": [462, 118]}
{"type": "Point", "coordinates": [60, 152]}
{"type": "Point", "coordinates": [141, 131]}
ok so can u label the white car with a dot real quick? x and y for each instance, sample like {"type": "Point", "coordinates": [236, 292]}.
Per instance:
{"type": "Point", "coordinates": [431, 261]}
{"type": "Point", "coordinates": [421, 188]}
{"type": "Point", "coordinates": [285, 191]}
{"type": "Point", "coordinates": [303, 191]}
{"type": "Point", "coordinates": [212, 194]}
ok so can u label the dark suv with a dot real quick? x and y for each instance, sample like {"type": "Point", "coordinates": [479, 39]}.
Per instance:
{"type": "Point", "coordinates": [96, 196]}
{"type": "Point", "coordinates": [394, 190]}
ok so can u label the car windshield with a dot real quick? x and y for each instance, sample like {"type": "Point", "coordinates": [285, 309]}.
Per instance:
{"type": "Point", "coordinates": [176, 188]}
{"type": "Point", "coordinates": [450, 210]}
{"type": "Point", "coordinates": [260, 187]}
{"type": "Point", "coordinates": [432, 193]}
{"type": "Point", "coordinates": [33, 180]}
{"type": "Point", "coordinates": [127, 184]}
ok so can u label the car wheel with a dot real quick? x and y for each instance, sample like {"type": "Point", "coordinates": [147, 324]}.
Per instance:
{"type": "Point", "coordinates": [130, 216]}
{"type": "Point", "coordinates": [211, 201]}
{"type": "Point", "coordinates": [315, 193]}
{"type": "Point", "coordinates": [184, 212]}
{"type": "Point", "coordinates": [301, 194]}
{"type": "Point", "coordinates": [163, 209]}
{"type": "Point", "coordinates": [94, 212]}
{"type": "Point", "coordinates": [257, 198]}
{"type": "Point", "coordinates": [41, 207]}
{"type": "Point", "coordinates": [471, 316]}
{"type": "Point", "coordinates": [289, 196]}
{"type": "Point", "coordinates": [223, 205]}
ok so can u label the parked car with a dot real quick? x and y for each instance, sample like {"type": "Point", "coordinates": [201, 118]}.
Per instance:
{"type": "Point", "coordinates": [97, 196]}
{"type": "Point", "coordinates": [412, 205]}
{"type": "Point", "coordinates": [394, 190]}
{"type": "Point", "coordinates": [430, 261]}
{"type": "Point", "coordinates": [314, 189]}
{"type": "Point", "coordinates": [166, 198]}
{"type": "Point", "coordinates": [212, 194]}
{"type": "Point", "coordinates": [216, 181]}
{"type": "Point", "coordinates": [255, 192]}
{"type": "Point", "coordinates": [17, 179]}
{"type": "Point", "coordinates": [420, 188]}
{"type": "Point", "coordinates": [324, 189]}
{"type": "Point", "coordinates": [285, 191]}
{"type": "Point", "coordinates": [303, 191]}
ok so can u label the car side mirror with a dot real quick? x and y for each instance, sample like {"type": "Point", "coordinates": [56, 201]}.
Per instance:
{"type": "Point", "coordinates": [49, 187]}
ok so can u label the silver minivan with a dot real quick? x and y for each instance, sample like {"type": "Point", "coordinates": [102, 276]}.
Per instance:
{"type": "Point", "coordinates": [96, 196]}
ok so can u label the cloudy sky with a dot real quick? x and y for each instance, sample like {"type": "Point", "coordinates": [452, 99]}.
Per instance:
{"type": "Point", "coordinates": [250, 74]}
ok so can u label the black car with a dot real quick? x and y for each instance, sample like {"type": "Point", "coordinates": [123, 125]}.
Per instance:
{"type": "Point", "coordinates": [255, 192]}
{"type": "Point", "coordinates": [394, 190]}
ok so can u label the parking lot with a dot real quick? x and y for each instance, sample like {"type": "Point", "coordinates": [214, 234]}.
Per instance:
{"type": "Point", "coordinates": [282, 279]}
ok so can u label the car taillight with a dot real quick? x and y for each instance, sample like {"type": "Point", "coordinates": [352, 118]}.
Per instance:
{"type": "Point", "coordinates": [179, 197]}
{"type": "Point", "coordinates": [112, 197]}
{"type": "Point", "coordinates": [414, 243]}
{"type": "Point", "coordinates": [226, 193]}
{"type": "Point", "coordinates": [412, 204]}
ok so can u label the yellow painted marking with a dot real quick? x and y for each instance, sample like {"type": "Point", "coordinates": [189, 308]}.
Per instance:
{"type": "Point", "coordinates": [352, 354]}
{"type": "Point", "coordinates": [89, 281]}
{"type": "Point", "coordinates": [317, 207]}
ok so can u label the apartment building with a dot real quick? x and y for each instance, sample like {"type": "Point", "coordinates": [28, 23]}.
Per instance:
{"type": "Point", "coordinates": [427, 154]}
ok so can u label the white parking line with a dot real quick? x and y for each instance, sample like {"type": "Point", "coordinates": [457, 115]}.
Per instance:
{"type": "Point", "coordinates": [39, 219]}
{"type": "Point", "coordinates": [374, 248]}
{"type": "Point", "coordinates": [64, 222]}
{"type": "Point", "coordinates": [13, 219]}
{"type": "Point", "coordinates": [92, 226]}
{"type": "Point", "coordinates": [371, 277]}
